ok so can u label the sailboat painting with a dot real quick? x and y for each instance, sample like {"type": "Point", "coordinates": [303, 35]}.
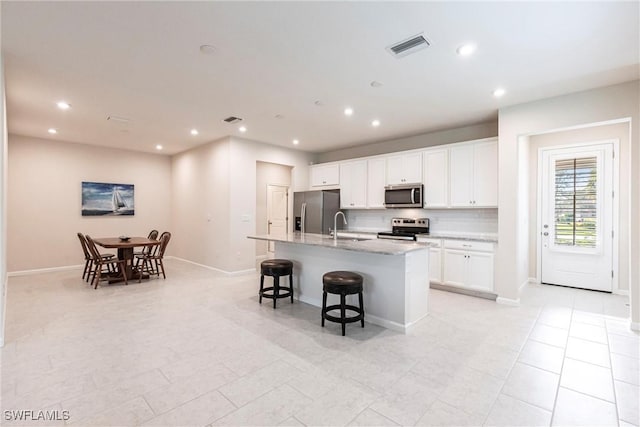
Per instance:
{"type": "Point", "coordinates": [100, 198]}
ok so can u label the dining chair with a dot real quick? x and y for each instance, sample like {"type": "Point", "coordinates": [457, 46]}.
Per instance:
{"type": "Point", "coordinates": [153, 235]}
{"type": "Point", "coordinates": [112, 264]}
{"type": "Point", "coordinates": [89, 258]}
{"type": "Point", "coordinates": [152, 263]}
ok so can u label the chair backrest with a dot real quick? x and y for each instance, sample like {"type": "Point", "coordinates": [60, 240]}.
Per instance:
{"type": "Point", "coordinates": [164, 241]}
{"type": "Point", "coordinates": [92, 248]}
{"type": "Point", "coordinates": [83, 243]}
{"type": "Point", "coordinates": [150, 250]}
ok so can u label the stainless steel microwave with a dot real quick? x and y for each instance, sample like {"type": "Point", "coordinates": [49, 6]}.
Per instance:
{"type": "Point", "coordinates": [403, 196]}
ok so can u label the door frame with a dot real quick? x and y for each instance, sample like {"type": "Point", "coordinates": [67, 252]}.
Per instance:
{"type": "Point", "coordinates": [615, 208]}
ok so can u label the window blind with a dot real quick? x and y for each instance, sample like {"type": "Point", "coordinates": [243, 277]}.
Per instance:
{"type": "Point", "coordinates": [576, 202]}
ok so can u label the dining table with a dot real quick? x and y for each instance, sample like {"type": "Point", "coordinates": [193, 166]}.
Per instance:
{"type": "Point", "coordinates": [125, 252]}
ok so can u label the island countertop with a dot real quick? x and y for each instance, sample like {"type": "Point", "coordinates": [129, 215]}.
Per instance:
{"type": "Point", "coordinates": [376, 246]}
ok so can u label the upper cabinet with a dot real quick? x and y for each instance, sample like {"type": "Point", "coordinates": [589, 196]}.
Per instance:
{"type": "Point", "coordinates": [473, 175]}
{"type": "Point", "coordinates": [376, 169]}
{"type": "Point", "coordinates": [353, 190]}
{"type": "Point", "coordinates": [436, 178]}
{"type": "Point", "coordinates": [404, 168]}
{"type": "Point", "coordinates": [323, 175]}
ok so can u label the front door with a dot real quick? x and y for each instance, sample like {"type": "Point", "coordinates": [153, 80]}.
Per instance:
{"type": "Point", "coordinates": [277, 205]}
{"type": "Point", "coordinates": [577, 217]}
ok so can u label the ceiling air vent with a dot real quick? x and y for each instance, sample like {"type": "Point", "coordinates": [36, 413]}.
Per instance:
{"type": "Point", "coordinates": [232, 119]}
{"type": "Point", "coordinates": [408, 46]}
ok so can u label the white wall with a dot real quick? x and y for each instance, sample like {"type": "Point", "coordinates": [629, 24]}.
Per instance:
{"type": "Point", "coordinates": [582, 108]}
{"type": "Point", "coordinates": [214, 204]}
{"type": "Point", "coordinates": [200, 204]}
{"type": "Point", "coordinates": [267, 174]}
{"type": "Point", "coordinates": [44, 198]}
{"type": "Point", "coordinates": [619, 131]}
{"type": "Point", "coordinates": [448, 136]}
{"type": "Point", "coordinates": [3, 202]}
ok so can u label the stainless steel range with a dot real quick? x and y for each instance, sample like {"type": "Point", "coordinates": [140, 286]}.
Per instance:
{"type": "Point", "coordinates": [406, 229]}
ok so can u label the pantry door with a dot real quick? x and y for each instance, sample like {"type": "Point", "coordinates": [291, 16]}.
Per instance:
{"type": "Point", "coordinates": [277, 204]}
{"type": "Point", "coordinates": [577, 217]}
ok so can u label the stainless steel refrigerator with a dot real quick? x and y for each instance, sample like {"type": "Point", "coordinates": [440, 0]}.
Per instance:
{"type": "Point", "coordinates": [314, 211]}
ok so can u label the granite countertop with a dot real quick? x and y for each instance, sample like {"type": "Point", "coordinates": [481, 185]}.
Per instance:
{"type": "Point", "coordinates": [376, 246]}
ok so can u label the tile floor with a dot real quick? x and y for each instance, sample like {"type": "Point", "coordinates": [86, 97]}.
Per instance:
{"type": "Point", "coordinates": [197, 349]}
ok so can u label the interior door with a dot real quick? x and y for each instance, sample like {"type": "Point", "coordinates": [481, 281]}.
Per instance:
{"type": "Point", "coordinates": [277, 202]}
{"type": "Point", "coordinates": [577, 217]}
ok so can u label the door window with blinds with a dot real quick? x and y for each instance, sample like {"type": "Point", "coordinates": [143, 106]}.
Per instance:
{"type": "Point", "coordinates": [576, 197]}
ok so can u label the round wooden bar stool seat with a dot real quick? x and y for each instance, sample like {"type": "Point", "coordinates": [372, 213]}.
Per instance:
{"type": "Point", "coordinates": [276, 268]}
{"type": "Point", "coordinates": [342, 283]}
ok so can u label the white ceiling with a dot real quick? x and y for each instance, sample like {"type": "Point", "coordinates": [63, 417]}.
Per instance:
{"type": "Point", "coordinates": [141, 61]}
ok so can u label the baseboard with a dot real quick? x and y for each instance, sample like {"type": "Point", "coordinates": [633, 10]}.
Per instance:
{"type": "Point", "coordinates": [508, 301]}
{"type": "Point", "coordinates": [533, 280]}
{"type": "Point", "coordinates": [464, 291]}
{"type": "Point", "coordinates": [635, 326]}
{"type": "Point", "coordinates": [208, 267]}
{"type": "Point", "coordinates": [44, 270]}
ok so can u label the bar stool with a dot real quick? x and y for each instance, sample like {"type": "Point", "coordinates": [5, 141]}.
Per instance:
{"type": "Point", "coordinates": [342, 283]}
{"type": "Point", "coordinates": [276, 268]}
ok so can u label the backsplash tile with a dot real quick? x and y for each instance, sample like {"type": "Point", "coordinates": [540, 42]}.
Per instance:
{"type": "Point", "coordinates": [441, 220]}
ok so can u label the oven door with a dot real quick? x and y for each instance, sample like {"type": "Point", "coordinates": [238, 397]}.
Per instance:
{"type": "Point", "coordinates": [403, 196]}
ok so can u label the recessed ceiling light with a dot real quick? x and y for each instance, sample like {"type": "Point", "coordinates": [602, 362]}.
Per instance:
{"type": "Point", "coordinates": [194, 132]}
{"type": "Point", "coordinates": [63, 105]}
{"type": "Point", "coordinates": [466, 49]}
{"type": "Point", "coordinates": [52, 131]}
{"type": "Point", "coordinates": [158, 147]}
{"type": "Point", "coordinates": [375, 123]}
{"type": "Point", "coordinates": [242, 129]}
{"type": "Point", "coordinates": [375, 84]}
{"type": "Point", "coordinates": [319, 103]}
{"type": "Point", "coordinates": [499, 92]}
{"type": "Point", "coordinates": [296, 142]}
{"type": "Point", "coordinates": [348, 111]}
{"type": "Point", "coordinates": [279, 116]}
{"type": "Point", "coordinates": [207, 49]}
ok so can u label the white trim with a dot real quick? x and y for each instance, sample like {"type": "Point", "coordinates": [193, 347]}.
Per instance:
{"type": "Point", "coordinates": [522, 285]}
{"type": "Point", "coordinates": [615, 142]}
{"type": "Point", "coordinates": [44, 270]}
{"type": "Point", "coordinates": [534, 280]}
{"type": "Point", "coordinates": [582, 126]}
{"type": "Point", "coordinates": [508, 301]}
{"type": "Point", "coordinates": [635, 326]}
{"type": "Point", "coordinates": [228, 273]}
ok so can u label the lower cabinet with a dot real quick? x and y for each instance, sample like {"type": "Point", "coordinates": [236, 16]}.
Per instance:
{"type": "Point", "coordinates": [468, 264]}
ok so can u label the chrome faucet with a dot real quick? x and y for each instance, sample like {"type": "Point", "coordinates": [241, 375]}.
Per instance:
{"type": "Point", "coordinates": [335, 224]}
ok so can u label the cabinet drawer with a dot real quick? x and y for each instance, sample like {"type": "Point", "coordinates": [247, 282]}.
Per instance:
{"type": "Point", "coordinates": [435, 242]}
{"type": "Point", "coordinates": [468, 245]}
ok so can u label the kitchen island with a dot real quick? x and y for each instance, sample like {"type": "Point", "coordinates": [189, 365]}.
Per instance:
{"type": "Point", "coordinates": [396, 274]}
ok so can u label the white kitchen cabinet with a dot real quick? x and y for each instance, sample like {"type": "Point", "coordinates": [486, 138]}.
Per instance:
{"type": "Point", "coordinates": [324, 175]}
{"type": "Point", "coordinates": [435, 258]}
{"type": "Point", "coordinates": [468, 264]}
{"type": "Point", "coordinates": [404, 169]}
{"type": "Point", "coordinates": [376, 169]}
{"type": "Point", "coordinates": [353, 190]}
{"type": "Point", "coordinates": [473, 175]}
{"type": "Point", "coordinates": [436, 178]}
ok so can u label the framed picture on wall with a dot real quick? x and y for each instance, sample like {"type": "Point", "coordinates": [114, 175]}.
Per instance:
{"type": "Point", "coordinates": [101, 198]}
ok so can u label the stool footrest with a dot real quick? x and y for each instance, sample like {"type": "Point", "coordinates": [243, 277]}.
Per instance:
{"type": "Point", "coordinates": [351, 319]}
{"type": "Point", "coordinates": [283, 292]}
